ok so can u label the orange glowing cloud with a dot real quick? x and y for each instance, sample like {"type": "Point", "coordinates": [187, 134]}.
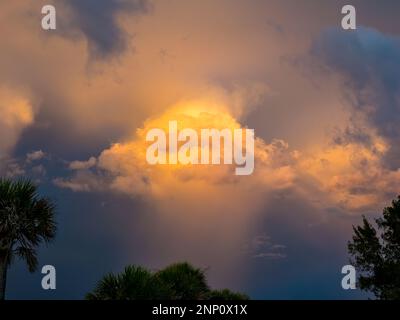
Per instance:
{"type": "Point", "coordinates": [213, 188]}
{"type": "Point", "coordinates": [351, 175]}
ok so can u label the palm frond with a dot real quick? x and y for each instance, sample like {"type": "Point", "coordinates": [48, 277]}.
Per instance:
{"type": "Point", "coordinates": [26, 220]}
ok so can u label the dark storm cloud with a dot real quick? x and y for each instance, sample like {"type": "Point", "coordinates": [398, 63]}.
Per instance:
{"type": "Point", "coordinates": [370, 63]}
{"type": "Point", "coordinates": [96, 19]}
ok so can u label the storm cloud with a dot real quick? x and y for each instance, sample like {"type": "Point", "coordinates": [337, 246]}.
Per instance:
{"type": "Point", "coordinates": [369, 61]}
{"type": "Point", "coordinates": [97, 20]}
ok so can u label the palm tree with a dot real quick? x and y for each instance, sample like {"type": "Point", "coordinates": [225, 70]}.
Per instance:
{"type": "Point", "coordinates": [185, 281]}
{"type": "Point", "coordinates": [26, 220]}
{"type": "Point", "coordinates": [134, 283]}
{"type": "Point", "coordinates": [179, 281]}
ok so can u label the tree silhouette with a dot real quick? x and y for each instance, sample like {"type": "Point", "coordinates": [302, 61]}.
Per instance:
{"type": "Point", "coordinates": [376, 254]}
{"type": "Point", "coordinates": [134, 283]}
{"type": "Point", "coordinates": [179, 281]}
{"type": "Point", "coordinates": [184, 281]}
{"type": "Point", "coordinates": [26, 220]}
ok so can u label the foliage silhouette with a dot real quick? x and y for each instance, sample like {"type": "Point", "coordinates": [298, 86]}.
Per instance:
{"type": "Point", "coordinates": [185, 281]}
{"type": "Point", "coordinates": [26, 220]}
{"type": "Point", "coordinates": [179, 281]}
{"type": "Point", "coordinates": [134, 283]}
{"type": "Point", "coordinates": [376, 254]}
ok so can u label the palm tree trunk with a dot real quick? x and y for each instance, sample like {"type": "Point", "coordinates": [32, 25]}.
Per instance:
{"type": "Point", "coordinates": [3, 277]}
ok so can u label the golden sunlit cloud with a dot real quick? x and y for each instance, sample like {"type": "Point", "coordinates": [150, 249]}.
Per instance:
{"type": "Point", "coordinates": [352, 175]}
{"type": "Point", "coordinates": [126, 162]}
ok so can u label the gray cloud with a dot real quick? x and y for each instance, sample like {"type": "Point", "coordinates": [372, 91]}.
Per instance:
{"type": "Point", "coordinates": [96, 19]}
{"type": "Point", "coordinates": [261, 246]}
{"type": "Point", "coordinates": [370, 64]}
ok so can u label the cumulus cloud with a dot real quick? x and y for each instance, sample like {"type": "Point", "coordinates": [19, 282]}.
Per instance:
{"type": "Point", "coordinates": [80, 165]}
{"type": "Point", "coordinates": [83, 181]}
{"type": "Point", "coordinates": [35, 155]}
{"type": "Point", "coordinates": [127, 169]}
{"type": "Point", "coordinates": [351, 176]}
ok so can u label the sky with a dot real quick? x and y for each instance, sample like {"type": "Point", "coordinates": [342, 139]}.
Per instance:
{"type": "Point", "coordinates": [76, 103]}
